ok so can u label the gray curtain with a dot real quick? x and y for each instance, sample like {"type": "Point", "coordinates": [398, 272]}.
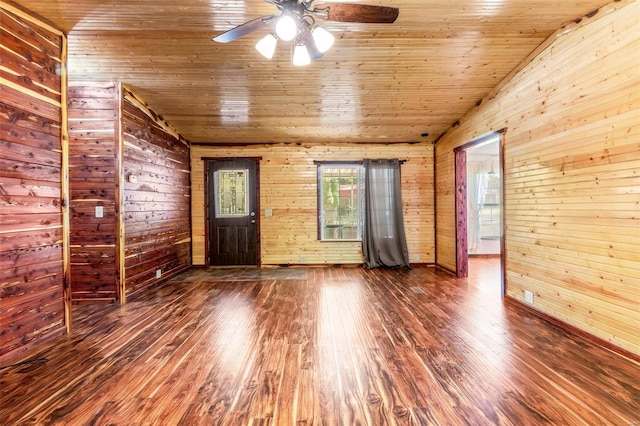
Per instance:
{"type": "Point", "coordinates": [383, 242]}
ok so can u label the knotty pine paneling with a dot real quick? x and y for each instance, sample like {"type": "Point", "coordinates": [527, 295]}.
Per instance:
{"type": "Point", "coordinates": [288, 186]}
{"type": "Point", "coordinates": [156, 203]}
{"type": "Point", "coordinates": [378, 83]}
{"type": "Point", "coordinates": [32, 216]}
{"type": "Point", "coordinates": [93, 136]}
{"type": "Point", "coordinates": [572, 175]}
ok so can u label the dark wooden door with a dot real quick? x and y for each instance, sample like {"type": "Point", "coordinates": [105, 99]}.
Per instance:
{"type": "Point", "coordinates": [233, 212]}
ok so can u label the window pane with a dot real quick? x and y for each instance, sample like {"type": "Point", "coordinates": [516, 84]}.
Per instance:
{"type": "Point", "coordinates": [341, 196]}
{"type": "Point", "coordinates": [382, 202]}
{"type": "Point", "coordinates": [231, 192]}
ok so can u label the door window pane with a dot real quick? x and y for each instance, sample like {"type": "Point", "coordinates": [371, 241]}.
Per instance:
{"type": "Point", "coordinates": [231, 193]}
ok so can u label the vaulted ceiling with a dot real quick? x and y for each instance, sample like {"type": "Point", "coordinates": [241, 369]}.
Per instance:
{"type": "Point", "coordinates": [380, 83]}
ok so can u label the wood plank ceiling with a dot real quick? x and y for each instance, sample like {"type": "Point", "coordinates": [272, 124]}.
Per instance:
{"type": "Point", "coordinates": [380, 83]}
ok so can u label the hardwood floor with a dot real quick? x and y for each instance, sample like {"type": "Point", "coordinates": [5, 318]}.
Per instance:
{"type": "Point", "coordinates": [333, 346]}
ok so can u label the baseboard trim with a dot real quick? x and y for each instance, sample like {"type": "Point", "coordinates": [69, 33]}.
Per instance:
{"type": "Point", "coordinates": [574, 330]}
{"type": "Point", "coordinates": [312, 265]}
{"type": "Point", "coordinates": [94, 301]}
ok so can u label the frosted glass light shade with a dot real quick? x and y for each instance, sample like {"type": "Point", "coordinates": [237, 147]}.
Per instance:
{"type": "Point", "coordinates": [267, 45]}
{"type": "Point", "coordinates": [286, 28]}
{"type": "Point", "coordinates": [301, 56]}
{"type": "Point", "coordinates": [323, 38]}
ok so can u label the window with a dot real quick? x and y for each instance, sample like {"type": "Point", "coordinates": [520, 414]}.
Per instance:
{"type": "Point", "coordinates": [340, 201]}
{"type": "Point", "coordinates": [491, 208]}
{"type": "Point", "coordinates": [231, 193]}
{"type": "Point", "coordinates": [381, 191]}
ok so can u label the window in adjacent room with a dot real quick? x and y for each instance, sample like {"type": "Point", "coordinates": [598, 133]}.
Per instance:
{"type": "Point", "coordinates": [340, 201]}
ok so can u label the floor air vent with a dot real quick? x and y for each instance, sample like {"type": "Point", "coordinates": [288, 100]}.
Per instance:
{"type": "Point", "coordinates": [417, 290]}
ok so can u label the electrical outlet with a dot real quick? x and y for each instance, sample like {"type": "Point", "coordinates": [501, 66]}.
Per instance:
{"type": "Point", "coordinates": [302, 259]}
{"type": "Point", "coordinates": [158, 273]}
{"type": "Point", "coordinates": [416, 257]}
{"type": "Point", "coordinates": [528, 297]}
{"type": "Point", "coordinates": [99, 211]}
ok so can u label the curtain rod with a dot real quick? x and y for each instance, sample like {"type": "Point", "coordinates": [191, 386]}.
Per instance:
{"type": "Point", "coordinates": [316, 162]}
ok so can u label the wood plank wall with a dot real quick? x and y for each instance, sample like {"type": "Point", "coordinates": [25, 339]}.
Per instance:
{"type": "Point", "coordinates": [157, 206]}
{"type": "Point", "coordinates": [572, 175]}
{"type": "Point", "coordinates": [93, 123]}
{"type": "Point", "coordinates": [288, 186]}
{"type": "Point", "coordinates": [32, 215]}
{"type": "Point", "coordinates": [146, 226]}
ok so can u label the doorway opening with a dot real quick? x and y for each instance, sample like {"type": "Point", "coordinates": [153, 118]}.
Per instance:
{"type": "Point", "coordinates": [479, 208]}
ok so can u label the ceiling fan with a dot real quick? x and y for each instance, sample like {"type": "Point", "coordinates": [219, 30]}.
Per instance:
{"type": "Point", "coordinates": [297, 21]}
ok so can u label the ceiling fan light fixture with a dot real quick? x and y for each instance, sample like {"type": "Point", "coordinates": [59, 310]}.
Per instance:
{"type": "Point", "coordinates": [323, 39]}
{"type": "Point", "coordinates": [296, 21]}
{"type": "Point", "coordinates": [301, 55]}
{"type": "Point", "coordinates": [267, 45]}
{"type": "Point", "coordinates": [286, 28]}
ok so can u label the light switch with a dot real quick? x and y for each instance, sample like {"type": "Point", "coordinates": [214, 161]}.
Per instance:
{"type": "Point", "coordinates": [268, 212]}
{"type": "Point", "coordinates": [99, 211]}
